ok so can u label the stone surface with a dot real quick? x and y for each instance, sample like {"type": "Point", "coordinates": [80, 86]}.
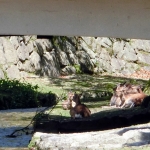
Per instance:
{"type": "Point", "coordinates": [117, 64]}
{"type": "Point", "coordinates": [84, 60]}
{"type": "Point", "coordinates": [22, 52]}
{"type": "Point", "coordinates": [1, 74]}
{"type": "Point", "coordinates": [13, 72]}
{"type": "Point", "coordinates": [129, 53]}
{"type": "Point", "coordinates": [141, 44]}
{"type": "Point", "coordinates": [117, 47]}
{"type": "Point", "coordinates": [35, 61]}
{"type": "Point", "coordinates": [56, 55]}
{"type": "Point", "coordinates": [63, 59]}
{"type": "Point", "coordinates": [137, 136]}
{"type": "Point", "coordinates": [50, 66]}
{"type": "Point", "coordinates": [143, 58]}
{"type": "Point", "coordinates": [9, 51]}
{"type": "Point", "coordinates": [68, 70]}
{"type": "Point", "coordinates": [14, 41]}
{"type": "Point", "coordinates": [106, 42]}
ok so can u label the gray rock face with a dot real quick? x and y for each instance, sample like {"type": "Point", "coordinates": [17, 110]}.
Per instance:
{"type": "Point", "coordinates": [106, 42]}
{"type": "Point", "coordinates": [59, 55]}
{"type": "Point", "coordinates": [63, 59]}
{"type": "Point", "coordinates": [117, 64]}
{"type": "Point", "coordinates": [13, 72]}
{"type": "Point", "coordinates": [14, 40]}
{"type": "Point", "coordinates": [35, 61]}
{"type": "Point", "coordinates": [141, 45]}
{"type": "Point", "coordinates": [9, 51]}
{"type": "Point", "coordinates": [50, 65]}
{"type": "Point", "coordinates": [143, 58]}
{"type": "Point", "coordinates": [3, 59]}
{"type": "Point", "coordinates": [137, 137]}
{"type": "Point", "coordinates": [129, 53]}
{"type": "Point", "coordinates": [22, 52]}
{"type": "Point", "coordinates": [111, 139]}
{"type": "Point", "coordinates": [1, 74]}
{"type": "Point", "coordinates": [85, 61]}
{"type": "Point", "coordinates": [68, 70]}
{"type": "Point", "coordinates": [118, 46]}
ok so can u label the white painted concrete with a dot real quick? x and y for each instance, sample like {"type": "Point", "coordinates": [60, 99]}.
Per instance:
{"type": "Point", "coordinates": [104, 18]}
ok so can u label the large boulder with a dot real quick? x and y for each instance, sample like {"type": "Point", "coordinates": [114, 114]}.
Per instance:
{"type": "Point", "coordinates": [121, 138]}
{"type": "Point", "coordinates": [68, 70]}
{"type": "Point", "coordinates": [22, 52]}
{"type": "Point", "coordinates": [143, 58]}
{"type": "Point", "coordinates": [9, 51]}
{"type": "Point", "coordinates": [13, 72]}
{"type": "Point", "coordinates": [143, 45]}
{"type": "Point", "coordinates": [63, 58]}
{"type": "Point", "coordinates": [117, 64]}
{"type": "Point", "coordinates": [87, 65]}
{"type": "Point", "coordinates": [118, 46]}
{"type": "Point", "coordinates": [50, 65]}
{"type": "Point", "coordinates": [35, 61]}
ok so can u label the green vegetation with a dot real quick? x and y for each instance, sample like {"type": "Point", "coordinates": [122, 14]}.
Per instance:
{"type": "Point", "coordinates": [147, 87]}
{"type": "Point", "coordinates": [16, 94]}
{"type": "Point", "coordinates": [97, 91]}
{"type": "Point", "coordinates": [78, 69]}
{"type": "Point", "coordinates": [32, 143]}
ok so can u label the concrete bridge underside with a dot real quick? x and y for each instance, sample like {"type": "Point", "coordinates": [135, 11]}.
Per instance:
{"type": "Point", "coordinates": [102, 18]}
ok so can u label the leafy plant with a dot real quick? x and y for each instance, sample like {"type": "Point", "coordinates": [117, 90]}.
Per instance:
{"type": "Point", "coordinates": [14, 94]}
{"type": "Point", "coordinates": [46, 99]}
{"type": "Point", "coordinates": [78, 69]}
{"type": "Point", "coordinates": [147, 87]}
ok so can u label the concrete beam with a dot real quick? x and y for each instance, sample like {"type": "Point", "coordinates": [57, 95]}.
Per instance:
{"type": "Point", "coordinates": [102, 18]}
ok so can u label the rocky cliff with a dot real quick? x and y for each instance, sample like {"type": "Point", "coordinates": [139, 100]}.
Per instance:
{"type": "Point", "coordinates": [54, 56]}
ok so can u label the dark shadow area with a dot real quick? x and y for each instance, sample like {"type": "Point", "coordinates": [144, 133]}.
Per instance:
{"type": "Point", "coordinates": [103, 120]}
{"type": "Point", "coordinates": [99, 86]}
{"type": "Point", "coordinates": [22, 110]}
{"type": "Point", "coordinates": [17, 95]}
{"type": "Point", "coordinates": [100, 121]}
